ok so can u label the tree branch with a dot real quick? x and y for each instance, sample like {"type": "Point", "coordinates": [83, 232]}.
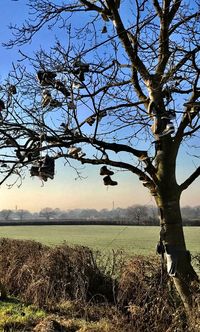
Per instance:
{"type": "Point", "coordinates": [123, 35]}
{"type": "Point", "coordinates": [118, 164]}
{"type": "Point", "coordinates": [174, 10]}
{"type": "Point", "coordinates": [190, 180]}
{"type": "Point", "coordinates": [157, 7]}
{"type": "Point", "coordinates": [184, 20]}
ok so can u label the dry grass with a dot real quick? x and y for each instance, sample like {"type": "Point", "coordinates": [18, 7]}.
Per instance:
{"type": "Point", "coordinates": [46, 276]}
{"type": "Point", "coordinates": [148, 295]}
{"type": "Point", "coordinates": [83, 296]}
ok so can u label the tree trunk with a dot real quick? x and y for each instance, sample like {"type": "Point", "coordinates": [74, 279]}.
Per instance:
{"type": "Point", "coordinates": [178, 257]}
{"type": "Point", "coordinates": [168, 201]}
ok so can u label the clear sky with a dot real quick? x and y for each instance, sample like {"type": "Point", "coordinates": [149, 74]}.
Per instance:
{"type": "Point", "coordinates": [64, 191]}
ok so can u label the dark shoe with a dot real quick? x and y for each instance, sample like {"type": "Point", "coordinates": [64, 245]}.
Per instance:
{"type": "Point", "coordinates": [81, 76]}
{"type": "Point", "coordinates": [55, 103]}
{"type": "Point", "coordinates": [160, 248]}
{"type": "Point", "coordinates": [105, 171]}
{"type": "Point", "coordinates": [91, 120]}
{"type": "Point", "coordinates": [84, 67]}
{"type": "Point", "coordinates": [61, 87]}
{"type": "Point", "coordinates": [109, 182]}
{"type": "Point", "coordinates": [47, 168]}
{"type": "Point", "coordinates": [12, 89]}
{"type": "Point", "coordinates": [104, 29]}
{"type": "Point", "coordinates": [34, 171]}
{"type": "Point", "coordinates": [46, 77]}
{"type": "Point", "coordinates": [10, 142]}
{"type": "Point", "coordinates": [45, 173]}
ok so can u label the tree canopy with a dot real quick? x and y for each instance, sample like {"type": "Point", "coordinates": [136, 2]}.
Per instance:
{"type": "Point", "coordinates": [120, 88]}
{"type": "Point", "coordinates": [118, 61]}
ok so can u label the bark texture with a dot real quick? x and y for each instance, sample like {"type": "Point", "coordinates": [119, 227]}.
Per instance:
{"type": "Point", "coordinates": [172, 235]}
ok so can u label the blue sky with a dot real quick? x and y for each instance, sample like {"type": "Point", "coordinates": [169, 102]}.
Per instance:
{"type": "Point", "coordinates": [64, 191]}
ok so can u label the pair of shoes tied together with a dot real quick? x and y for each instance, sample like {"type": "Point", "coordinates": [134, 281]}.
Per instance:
{"type": "Point", "coordinates": [45, 169]}
{"type": "Point", "coordinates": [47, 100]}
{"type": "Point", "coordinates": [46, 78]}
{"type": "Point", "coordinates": [107, 179]}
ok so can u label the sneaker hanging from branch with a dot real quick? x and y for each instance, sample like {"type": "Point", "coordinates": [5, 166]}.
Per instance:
{"type": "Point", "coordinates": [12, 89]}
{"type": "Point", "coordinates": [46, 78]}
{"type": "Point", "coordinates": [47, 168]}
{"type": "Point", "coordinates": [91, 120]}
{"type": "Point", "coordinates": [109, 182]}
{"type": "Point", "coordinates": [46, 98]}
{"type": "Point", "coordinates": [105, 171]}
{"type": "Point", "coordinates": [74, 151]}
{"type": "Point", "coordinates": [62, 88]}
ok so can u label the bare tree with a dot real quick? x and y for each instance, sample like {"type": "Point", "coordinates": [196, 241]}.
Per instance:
{"type": "Point", "coordinates": [48, 213]}
{"type": "Point", "coordinates": [6, 214]}
{"type": "Point", "coordinates": [123, 93]}
{"type": "Point", "coordinates": [21, 214]}
{"type": "Point", "coordinates": [137, 214]}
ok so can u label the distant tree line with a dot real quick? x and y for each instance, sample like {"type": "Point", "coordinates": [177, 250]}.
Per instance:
{"type": "Point", "coordinates": [132, 215]}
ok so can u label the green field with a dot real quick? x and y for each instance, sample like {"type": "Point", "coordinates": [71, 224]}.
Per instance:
{"type": "Point", "coordinates": [133, 239]}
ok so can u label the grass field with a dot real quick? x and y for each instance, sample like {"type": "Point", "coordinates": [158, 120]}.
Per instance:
{"type": "Point", "coordinates": [133, 239]}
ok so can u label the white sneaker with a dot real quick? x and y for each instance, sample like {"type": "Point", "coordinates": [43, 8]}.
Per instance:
{"type": "Point", "coordinates": [77, 85]}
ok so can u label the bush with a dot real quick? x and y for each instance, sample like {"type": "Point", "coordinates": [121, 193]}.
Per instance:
{"type": "Point", "coordinates": [149, 296]}
{"type": "Point", "coordinates": [46, 276]}
{"type": "Point", "coordinates": [135, 295]}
